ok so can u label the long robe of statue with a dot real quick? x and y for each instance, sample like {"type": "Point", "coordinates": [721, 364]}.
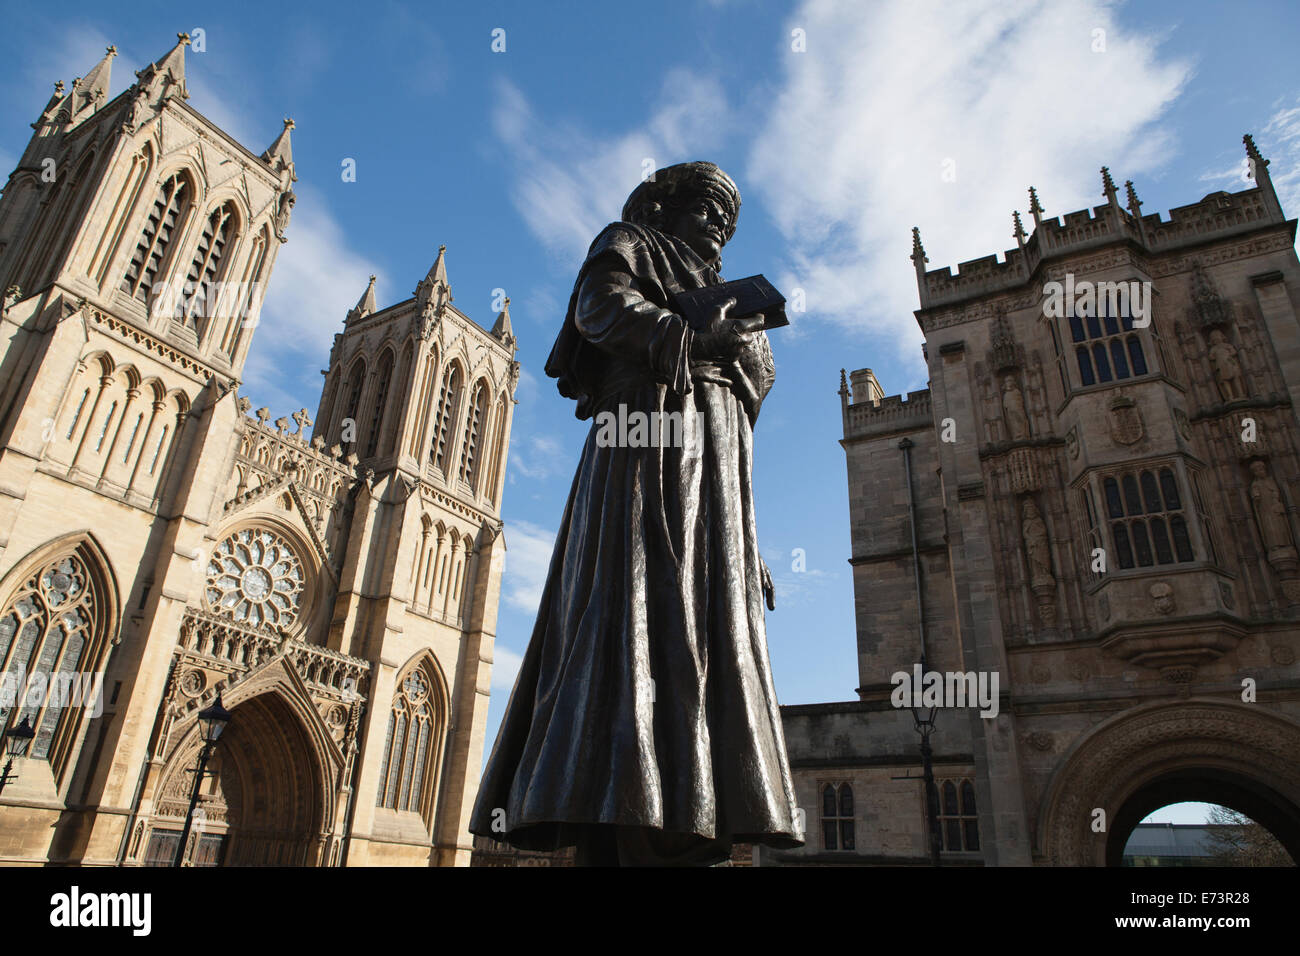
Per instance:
{"type": "Point", "coordinates": [644, 720]}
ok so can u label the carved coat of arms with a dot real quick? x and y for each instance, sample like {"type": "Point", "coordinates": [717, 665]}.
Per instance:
{"type": "Point", "coordinates": [1125, 422]}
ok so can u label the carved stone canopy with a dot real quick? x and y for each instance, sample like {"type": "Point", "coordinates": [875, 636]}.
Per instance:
{"type": "Point", "coordinates": [1208, 310]}
{"type": "Point", "coordinates": [1004, 354]}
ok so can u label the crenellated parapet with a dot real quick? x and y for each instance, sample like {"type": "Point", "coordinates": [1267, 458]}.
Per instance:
{"type": "Point", "coordinates": [1219, 215]}
{"type": "Point", "coordinates": [888, 414]}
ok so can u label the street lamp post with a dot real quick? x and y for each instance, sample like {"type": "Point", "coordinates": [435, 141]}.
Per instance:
{"type": "Point", "coordinates": [212, 721]}
{"type": "Point", "coordinates": [16, 741]}
{"type": "Point", "coordinates": [924, 718]}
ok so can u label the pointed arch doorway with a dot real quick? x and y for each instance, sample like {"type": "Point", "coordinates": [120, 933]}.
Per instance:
{"type": "Point", "coordinates": [263, 803]}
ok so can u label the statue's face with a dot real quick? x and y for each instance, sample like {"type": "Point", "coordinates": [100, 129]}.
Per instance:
{"type": "Point", "coordinates": [702, 225]}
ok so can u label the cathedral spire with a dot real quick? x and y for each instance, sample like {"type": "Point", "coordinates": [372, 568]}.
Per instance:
{"type": "Point", "coordinates": [91, 91]}
{"type": "Point", "coordinates": [170, 68]}
{"type": "Point", "coordinates": [366, 304]}
{"type": "Point", "coordinates": [279, 155]}
{"type": "Point", "coordinates": [501, 328]}
{"type": "Point", "coordinates": [434, 287]}
{"type": "Point", "coordinates": [1018, 228]}
{"type": "Point", "coordinates": [52, 107]}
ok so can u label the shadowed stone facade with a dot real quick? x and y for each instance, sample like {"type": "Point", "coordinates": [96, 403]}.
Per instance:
{"type": "Point", "coordinates": [335, 581]}
{"type": "Point", "coordinates": [1106, 518]}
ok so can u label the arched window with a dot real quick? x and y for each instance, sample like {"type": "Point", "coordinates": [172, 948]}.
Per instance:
{"type": "Point", "coordinates": [133, 185]}
{"type": "Point", "coordinates": [477, 413]}
{"type": "Point", "coordinates": [448, 401]}
{"type": "Point", "coordinates": [382, 379]}
{"type": "Point", "coordinates": [498, 439]}
{"type": "Point", "coordinates": [55, 631]}
{"type": "Point", "coordinates": [352, 402]}
{"type": "Point", "coordinates": [165, 218]}
{"type": "Point", "coordinates": [411, 748]}
{"type": "Point", "coordinates": [837, 817]}
{"type": "Point", "coordinates": [247, 299]}
{"type": "Point", "coordinates": [419, 434]}
{"type": "Point", "coordinates": [205, 269]}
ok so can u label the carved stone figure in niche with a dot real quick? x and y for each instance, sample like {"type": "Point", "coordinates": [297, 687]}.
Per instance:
{"type": "Point", "coordinates": [282, 213]}
{"type": "Point", "coordinates": [1013, 410]}
{"type": "Point", "coordinates": [1038, 551]}
{"type": "Point", "coordinates": [1227, 370]}
{"type": "Point", "coordinates": [1270, 512]}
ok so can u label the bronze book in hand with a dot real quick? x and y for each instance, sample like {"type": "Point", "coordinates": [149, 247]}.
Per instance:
{"type": "Point", "coordinates": [753, 295]}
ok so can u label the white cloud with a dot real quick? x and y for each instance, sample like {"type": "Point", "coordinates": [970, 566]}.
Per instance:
{"type": "Point", "coordinates": [1011, 92]}
{"type": "Point", "coordinates": [537, 457]}
{"type": "Point", "coordinates": [528, 557]}
{"type": "Point", "coordinates": [569, 183]}
{"type": "Point", "coordinates": [505, 668]}
{"type": "Point", "coordinates": [1279, 141]}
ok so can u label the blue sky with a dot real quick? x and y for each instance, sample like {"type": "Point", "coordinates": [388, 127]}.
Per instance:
{"type": "Point", "coordinates": [515, 159]}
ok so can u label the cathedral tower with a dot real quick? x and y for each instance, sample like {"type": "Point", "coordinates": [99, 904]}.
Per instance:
{"type": "Point", "coordinates": [336, 591]}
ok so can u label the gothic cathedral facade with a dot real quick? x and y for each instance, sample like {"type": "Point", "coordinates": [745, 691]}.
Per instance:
{"type": "Point", "coordinates": [161, 548]}
{"type": "Point", "coordinates": [1094, 500]}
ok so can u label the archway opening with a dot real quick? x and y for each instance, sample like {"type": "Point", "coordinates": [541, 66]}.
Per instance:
{"type": "Point", "coordinates": [1244, 802]}
{"type": "Point", "coordinates": [261, 804]}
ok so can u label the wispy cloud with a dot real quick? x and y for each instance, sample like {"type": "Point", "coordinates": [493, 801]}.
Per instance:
{"type": "Point", "coordinates": [1280, 141]}
{"type": "Point", "coordinates": [505, 668]}
{"type": "Point", "coordinates": [994, 96]}
{"type": "Point", "coordinates": [528, 557]}
{"type": "Point", "coordinates": [569, 182]}
{"type": "Point", "coordinates": [537, 456]}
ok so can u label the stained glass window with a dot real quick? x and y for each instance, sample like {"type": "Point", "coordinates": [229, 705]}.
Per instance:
{"type": "Point", "coordinates": [255, 577]}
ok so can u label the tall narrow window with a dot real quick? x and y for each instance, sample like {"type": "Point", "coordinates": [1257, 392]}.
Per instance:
{"type": "Point", "coordinates": [200, 282]}
{"type": "Point", "coordinates": [837, 817]}
{"type": "Point", "coordinates": [404, 775]}
{"type": "Point", "coordinates": [448, 399]}
{"type": "Point", "coordinates": [351, 406]}
{"type": "Point", "coordinates": [958, 820]}
{"type": "Point", "coordinates": [77, 417]}
{"type": "Point", "coordinates": [159, 229]}
{"type": "Point", "coordinates": [1106, 346]}
{"type": "Point", "coordinates": [477, 412]}
{"type": "Point", "coordinates": [1145, 510]}
{"type": "Point", "coordinates": [249, 297]}
{"type": "Point", "coordinates": [382, 378]}
{"type": "Point", "coordinates": [498, 439]}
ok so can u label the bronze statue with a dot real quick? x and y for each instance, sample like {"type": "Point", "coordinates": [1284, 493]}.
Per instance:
{"type": "Point", "coordinates": [643, 727]}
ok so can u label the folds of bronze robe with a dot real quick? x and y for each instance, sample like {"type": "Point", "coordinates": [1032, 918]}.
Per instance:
{"type": "Point", "coordinates": [645, 697]}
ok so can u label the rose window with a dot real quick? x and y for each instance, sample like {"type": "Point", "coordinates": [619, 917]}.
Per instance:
{"type": "Point", "coordinates": [255, 577]}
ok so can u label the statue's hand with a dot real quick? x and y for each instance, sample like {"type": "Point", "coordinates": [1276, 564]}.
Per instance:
{"type": "Point", "coordinates": [769, 589]}
{"type": "Point", "coordinates": [725, 338]}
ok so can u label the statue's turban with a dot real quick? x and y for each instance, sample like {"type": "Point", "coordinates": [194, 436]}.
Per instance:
{"type": "Point", "coordinates": [673, 187]}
